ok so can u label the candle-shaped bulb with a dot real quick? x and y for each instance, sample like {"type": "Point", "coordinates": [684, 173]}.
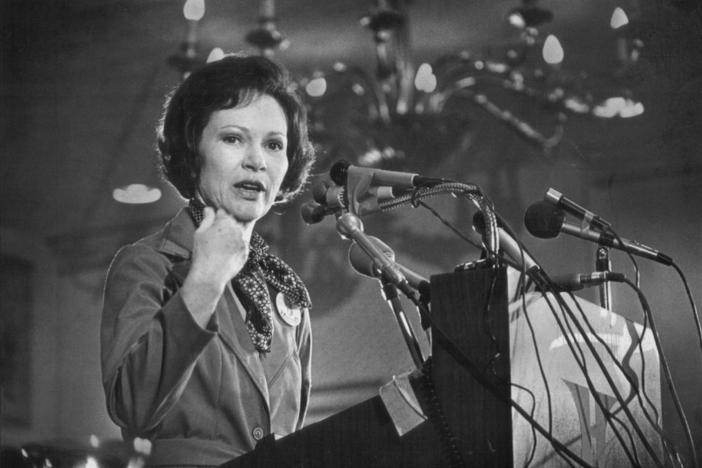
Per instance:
{"type": "Point", "coordinates": [618, 18]}
{"type": "Point", "coordinates": [194, 10]}
{"type": "Point", "coordinates": [553, 51]}
{"type": "Point", "coordinates": [215, 55]}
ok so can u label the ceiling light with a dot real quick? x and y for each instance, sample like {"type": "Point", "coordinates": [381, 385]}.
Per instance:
{"type": "Point", "coordinates": [136, 194]}
{"type": "Point", "coordinates": [618, 19]}
{"type": "Point", "coordinates": [425, 80]}
{"type": "Point", "coordinates": [376, 112]}
{"type": "Point", "coordinates": [215, 54]}
{"type": "Point", "coordinates": [553, 51]}
{"type": "Point", "coordinates": [316, 87]}
{"type": "Point", "coordinates": [194, 10]}
{"type": "Point", "coordinates": [618, 106]}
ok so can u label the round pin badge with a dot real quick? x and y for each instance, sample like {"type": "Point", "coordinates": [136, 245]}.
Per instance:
{"type": "Point", "coordinates": [290, 313]}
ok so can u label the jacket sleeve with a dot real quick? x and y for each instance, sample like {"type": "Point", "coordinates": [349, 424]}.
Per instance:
{"type": "Point", "coordinates": [305, 353]}
{"type": "Point", "coordinates": [149, 340]}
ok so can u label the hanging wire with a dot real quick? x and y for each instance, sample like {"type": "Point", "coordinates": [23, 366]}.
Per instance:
{"type": "Point", "coordinates": [473, 193]}
{"type": "Point", "coordinates": [632, 380]}
{"type": "Point", "coordinates": [695, 314]}
{"type": "Point", "coordinates": [666, 370]}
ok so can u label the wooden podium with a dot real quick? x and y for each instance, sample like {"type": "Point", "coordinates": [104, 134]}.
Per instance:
{"type": "Point", "coordinates": [481, 346]}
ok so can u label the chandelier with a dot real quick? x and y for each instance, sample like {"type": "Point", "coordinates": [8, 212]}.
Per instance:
{"type": "Point", "coordinates": [365, 117]}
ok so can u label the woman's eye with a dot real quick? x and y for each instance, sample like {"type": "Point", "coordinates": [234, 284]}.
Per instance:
{"type": "Point", "coordinates": [276, 146]}
{"type": "Point", "coordinates": [231, 138]}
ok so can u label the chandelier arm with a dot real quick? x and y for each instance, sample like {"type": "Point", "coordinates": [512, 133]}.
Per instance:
{"type": "Point", "coordinates": [523, 128]}
{"type": "Point", "coordinates": [556, 98]}
{"type": "Point", "coordinates": [461, 67]}
{"type": "Point", "coordinates": [404, 69]}
{"type": "Point", "coordinates": [378, 100]}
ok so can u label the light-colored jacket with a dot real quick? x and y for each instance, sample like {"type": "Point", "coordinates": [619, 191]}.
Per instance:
{"type": "Point", "coordinates": [202, 396]}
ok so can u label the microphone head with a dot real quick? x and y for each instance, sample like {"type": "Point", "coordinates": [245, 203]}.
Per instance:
{"type": "Point", "coordinates": [338, 172]}
{"type": "Point", "coordinates": [319, 191]}
{"type": "Point", "coordinates": [362, 263]}
{"type": "Point", "coordinates": [479, 222]}
{"type": "Point", "coordinates": [544, 220]}
{"type": "Point", "coordinates": [312, 213]}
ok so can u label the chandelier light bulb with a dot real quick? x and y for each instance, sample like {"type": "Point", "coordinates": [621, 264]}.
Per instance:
{"type": "Point", "coordinates": [553, 51]}
{"type": "Point", "coordinates": [516, 19]}
{"type": "Point", "coordinates": [618, 19]}
{"type": "Point", "coordinates": [316, 87]}
{"type": "Point", "coordinates": [631, 109]}
{"type": "Point", "coordinates": [425, 80]}
{"type": "Point", "coordinates": [215, 55]}
{"type": "Point", "coordinates": [619, 106]}
{"type": "Point", "coordinates": [194, 10]}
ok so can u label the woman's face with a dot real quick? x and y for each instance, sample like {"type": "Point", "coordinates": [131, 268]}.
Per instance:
{"type": "Point", "coordinates": [243, 153]}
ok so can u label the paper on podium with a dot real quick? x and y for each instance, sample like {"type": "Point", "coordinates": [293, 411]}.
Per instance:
{"type": "Point", "coordinates": [577, 420]}
{"type": "Point", "coordinates": [401, 404]}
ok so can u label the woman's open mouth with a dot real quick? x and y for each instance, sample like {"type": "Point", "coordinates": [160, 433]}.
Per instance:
{"type": "Point", "coordinates": [250, 188]}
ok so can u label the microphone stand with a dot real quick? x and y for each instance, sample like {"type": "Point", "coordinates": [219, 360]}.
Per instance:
{"type": "Point", "coordinates": [390, 293]}
{"type": "Point", "coordinates": [350, 226]}
{"type": "Point", "coordinates": [603, 263]}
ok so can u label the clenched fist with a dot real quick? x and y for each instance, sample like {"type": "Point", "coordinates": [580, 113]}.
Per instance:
{"type": "Point", "coordinates": [220, 250]}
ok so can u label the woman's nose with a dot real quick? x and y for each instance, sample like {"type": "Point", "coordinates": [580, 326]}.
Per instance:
{"type": "Point", "coordinates": [254, 159]}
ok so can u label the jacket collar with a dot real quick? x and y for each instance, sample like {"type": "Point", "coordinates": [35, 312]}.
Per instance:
{"type": "Point", "coordinates": [177, 236]}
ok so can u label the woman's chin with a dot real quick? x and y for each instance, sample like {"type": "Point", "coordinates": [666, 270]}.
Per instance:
{"type": "Point", "coordinates": [247, 212]}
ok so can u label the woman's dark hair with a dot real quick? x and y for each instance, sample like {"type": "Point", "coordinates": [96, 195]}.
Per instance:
{"type": "Point", "coordinates": [232, 81]}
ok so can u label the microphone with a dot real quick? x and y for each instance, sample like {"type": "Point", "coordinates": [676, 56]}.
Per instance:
{"type": "Point", "coordinates": [577, 281]}
{"type": "Point", "coordinates": [313, 213]}
{"type": "Point", "coordinates": [331, 199]}
{"type": "Point", "coordinates": [588, 217]}
{"type": "Point", "coordinates": [328, 199]}
{"type": "Point", "coordinates": [544, 221]}
{"type": "Point", "coordinates": [366, 267]}
{"type": "Point", "coordinates": [341, 170]}
{"type": "Point", "coordinates": [350, 226]}
{"type": "Point", "coordinates": [508, 245]}
{"type": "Point", "coordinates": [332, 196]}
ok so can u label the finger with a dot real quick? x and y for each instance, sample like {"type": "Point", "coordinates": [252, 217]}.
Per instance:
{"type": "Point", "coordinates": [207, 218]}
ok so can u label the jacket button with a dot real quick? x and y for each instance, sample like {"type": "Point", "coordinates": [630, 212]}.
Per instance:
{"type": "Point", "coordinates": [257, 433]}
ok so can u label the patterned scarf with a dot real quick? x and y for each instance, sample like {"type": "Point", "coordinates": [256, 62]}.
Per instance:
{"type": "Point", "coordinates": [262, 269]}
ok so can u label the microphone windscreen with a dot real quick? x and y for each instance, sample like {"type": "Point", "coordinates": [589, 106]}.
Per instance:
{"type": "Point", "coordinates": [319, 191]}
{"type": "Point", "coordinates": [362, 263]}
{"type": "Point", "coordinates": [338, 172]}
{"type": "Point", "coordinates": [544, 220]}
{"type": "Point", "coordinates": [312, 213]}
{"type": "Point", "coordinates": [479, 222]}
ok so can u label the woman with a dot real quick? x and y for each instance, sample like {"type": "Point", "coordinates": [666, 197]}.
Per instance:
{"type": "Point", "coordinates": [205, 335]}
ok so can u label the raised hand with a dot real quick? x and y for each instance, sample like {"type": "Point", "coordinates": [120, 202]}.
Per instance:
{"type": "Point", "coordinates": [220, 250]}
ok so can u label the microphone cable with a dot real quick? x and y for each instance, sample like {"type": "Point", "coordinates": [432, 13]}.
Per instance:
{"type": "Point", "coordinates": [568, 312]}
{"type": "Point", "coordinates": [632, 380]}
{"type": "Point", "coordinates": [469, 190]}
{"type": "Point", "coordinates": [547, 433]}
{"type": "Point", "coordinates": [568, 335]}
{"type": "Point", "coordinates": [693, 306]}
{"type": "Point", "coordinates": [666, 370]}
{"type": "Point", "coordinates": [648, 316]}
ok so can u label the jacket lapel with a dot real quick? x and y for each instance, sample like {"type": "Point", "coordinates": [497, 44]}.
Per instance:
{"type": "Point", "coordinates": [233, 331]}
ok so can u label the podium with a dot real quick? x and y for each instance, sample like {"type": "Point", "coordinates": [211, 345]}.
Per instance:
{"type": "Point", "coordinates": [481, 348]}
